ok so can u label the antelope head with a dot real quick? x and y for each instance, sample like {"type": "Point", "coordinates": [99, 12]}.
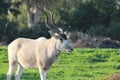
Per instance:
{"type": "Point", "coordinates": [59, 35]}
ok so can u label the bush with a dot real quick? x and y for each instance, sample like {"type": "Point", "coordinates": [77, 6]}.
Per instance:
{"type": "Point", "coordinates": [84, 16]}
{"type": "Point", "coordinates": [114, 31]}
{"type": "Point", "coordinates": [36, 32]}
{"type": "Point", "coordinates": [98, 30]}
{"type": "Point", "coordinates": [8, 30]}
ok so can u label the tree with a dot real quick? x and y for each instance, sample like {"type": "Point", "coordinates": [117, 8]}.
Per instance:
{"type": "Point", "coordinates": [33, 12]}
{"type": "Point", "coordinates": [92, 12]}
{"type": "Point", "coordinates": [6, 30]}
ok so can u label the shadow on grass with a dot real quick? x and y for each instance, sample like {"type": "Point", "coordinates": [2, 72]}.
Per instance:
{"type": "Point", "coordinates": [3, 77]}
{"type": "Point", "coordinates": [24, 76]}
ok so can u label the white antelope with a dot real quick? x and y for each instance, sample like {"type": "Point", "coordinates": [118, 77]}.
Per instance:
{"type": "Point", "coordinates": [37, 53]}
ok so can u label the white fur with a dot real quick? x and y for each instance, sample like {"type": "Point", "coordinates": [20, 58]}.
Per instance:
{"type": "Point", "coordinates": [28, 53]}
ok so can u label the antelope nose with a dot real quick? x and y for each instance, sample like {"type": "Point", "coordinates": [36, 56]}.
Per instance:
{"type": "Point", "coordinates": [70, 50]}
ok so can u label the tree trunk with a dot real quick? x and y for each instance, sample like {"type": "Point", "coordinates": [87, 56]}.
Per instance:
{"type": "Point", "coordinates": [32, 12]}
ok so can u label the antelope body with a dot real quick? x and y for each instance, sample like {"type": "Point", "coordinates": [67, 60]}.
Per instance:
{"type": "Point", "coordinates": [36, 53]}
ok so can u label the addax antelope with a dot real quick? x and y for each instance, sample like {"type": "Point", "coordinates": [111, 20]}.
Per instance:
{"type": "Point", "coordinates": [38, 53]}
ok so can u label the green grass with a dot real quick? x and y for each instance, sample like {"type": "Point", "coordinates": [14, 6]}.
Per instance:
{"type": "Point", "coordinates": [83, 64]}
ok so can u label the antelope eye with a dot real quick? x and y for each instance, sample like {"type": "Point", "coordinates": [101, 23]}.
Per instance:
{"type": "Point", "coordinates": [61, 39]}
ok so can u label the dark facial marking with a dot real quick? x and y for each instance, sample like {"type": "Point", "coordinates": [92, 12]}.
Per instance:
{"type": "Point", "coordinates": [64, 36]}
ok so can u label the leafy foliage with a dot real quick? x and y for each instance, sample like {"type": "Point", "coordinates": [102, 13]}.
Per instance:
{"type": "Point", "coordinates": [97, 17]}
{"type": "Point", "coordinates": [100, 30]}
{"type": "Point", "coordinates": [7, 31]}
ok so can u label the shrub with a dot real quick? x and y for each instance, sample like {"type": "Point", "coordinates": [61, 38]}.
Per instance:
{"type": "Point", "coordinates": [36, 32]}
{"type": "Point", "coordinates": [114, 31]}
{"type": "Point", "coordinates": [98, 30]}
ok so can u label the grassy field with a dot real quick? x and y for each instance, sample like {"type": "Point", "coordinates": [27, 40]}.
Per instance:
{"type": "Point", "coordinates": [83, 64]}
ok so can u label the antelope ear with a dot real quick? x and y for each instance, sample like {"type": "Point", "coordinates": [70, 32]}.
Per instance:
{"type": "Point", "coordinates": [61, 30]}
{"type": "Point", "coordinates": [56, 36]}
{"type": "Point", "coordinates": [65, 32]}
{"type": "Point", "coordinates": [51, 33]}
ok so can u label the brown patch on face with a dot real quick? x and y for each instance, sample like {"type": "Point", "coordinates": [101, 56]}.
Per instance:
{"type": "Point", "coordinates": [64, 36]}
{"type": "Point", "coordinates": [45, 68]}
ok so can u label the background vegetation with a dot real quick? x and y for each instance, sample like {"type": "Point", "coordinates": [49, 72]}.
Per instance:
{"type": "Point", "coordinates": [83, 64]}
{"type": "Point", "coordinates": [96, 17]}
